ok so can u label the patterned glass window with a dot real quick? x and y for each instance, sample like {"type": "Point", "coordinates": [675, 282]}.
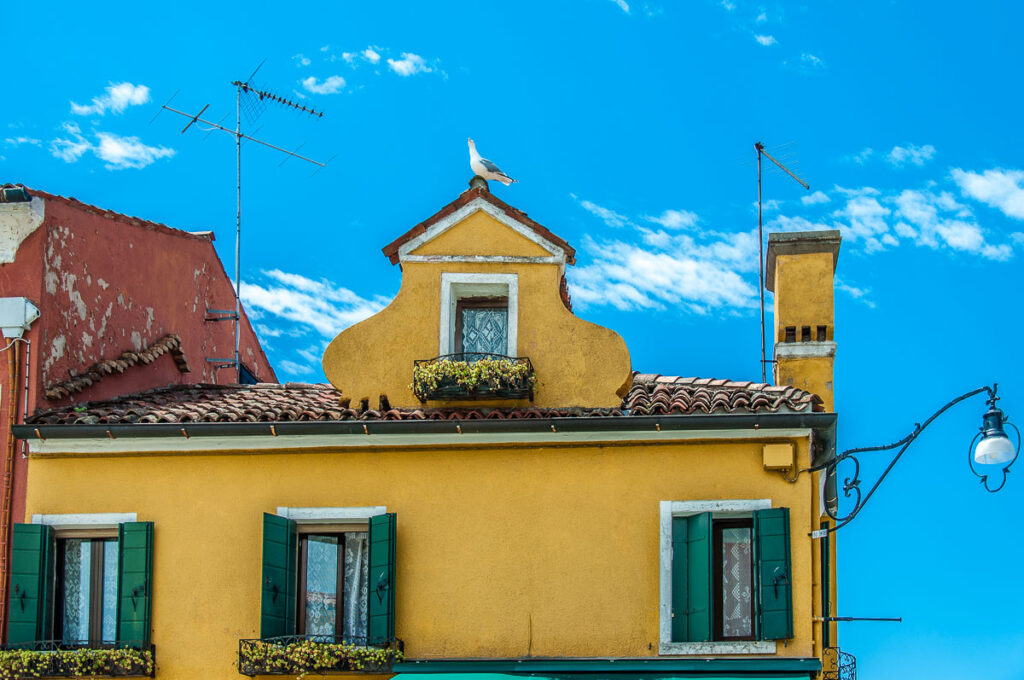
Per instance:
{"type": "Point", "coordinates": [333, 573]}
{"type": "Point", "coordinates": [481, 326]}
{"type": "Point", "coordinates": [87, 587]}
{"type": "Point", "coordinates": [734, 579]}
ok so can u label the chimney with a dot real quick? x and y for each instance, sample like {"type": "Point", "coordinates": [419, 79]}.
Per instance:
{"type": "Point", "coordinates": [801, 270]}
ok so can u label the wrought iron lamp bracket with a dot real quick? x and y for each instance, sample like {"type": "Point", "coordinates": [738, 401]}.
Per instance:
{"type": "Point", "coordinates": [851, 484]}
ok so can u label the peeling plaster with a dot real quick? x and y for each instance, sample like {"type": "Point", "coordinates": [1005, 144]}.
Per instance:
{"type": "Point", "coordinates": [56, 351]}
{"type": "Point", "coordinates": [17, 222]}
{"type": "Point", "coordinates": [102, 284]}
{"type": "Point", "coordinates": [136, 341]}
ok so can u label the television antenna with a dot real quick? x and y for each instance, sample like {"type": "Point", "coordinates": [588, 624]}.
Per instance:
{"type": "Point", "coordinates": [760, 244]}
{"type": "Point", "coordinates": [252, 100]}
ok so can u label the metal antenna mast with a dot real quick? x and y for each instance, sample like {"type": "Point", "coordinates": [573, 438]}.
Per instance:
{"type": "Point", "coordinates": [760, 243]}
{"type": "Point", "coordinates": [253, 100]}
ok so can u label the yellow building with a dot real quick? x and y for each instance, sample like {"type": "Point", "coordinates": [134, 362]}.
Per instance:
{"type": "Point", "coordinates": [485, 487]}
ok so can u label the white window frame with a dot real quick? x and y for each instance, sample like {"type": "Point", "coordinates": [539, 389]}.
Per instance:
{"type": "Point", "coordinates": [718, 509]}
{"type": "Point", "coordinates": [457, 286]}
{"type": "Point", "coordinates": [95, 520]}
{"type": "Point", "coordinates": [353, 515]}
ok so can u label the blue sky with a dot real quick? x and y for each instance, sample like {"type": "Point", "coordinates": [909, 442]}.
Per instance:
{"type": "Point", "coordinates": [630, 126]}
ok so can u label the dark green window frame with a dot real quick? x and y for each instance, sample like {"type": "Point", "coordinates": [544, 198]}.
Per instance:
{"type": "Point", "coordinates": [696, 588]}
{"type": "Point", "coordinates": [33, 620]}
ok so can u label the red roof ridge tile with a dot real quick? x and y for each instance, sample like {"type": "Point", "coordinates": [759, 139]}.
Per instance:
{"type": "Point", "coordinates": [465, 198]}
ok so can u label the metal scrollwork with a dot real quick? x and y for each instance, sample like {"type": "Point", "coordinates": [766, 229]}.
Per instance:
{"type": "Point", "coordinates": [851, 484]}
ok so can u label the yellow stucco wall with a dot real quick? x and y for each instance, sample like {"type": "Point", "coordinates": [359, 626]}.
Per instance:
{"type": "Point", "coordinates": [804, 283]}
{"type": "Point", "coordinates": [481, 234]}
{"type": "Point", "coordinates": [501, 552]}
{"type": "Point", "coordinates": [577, 363]}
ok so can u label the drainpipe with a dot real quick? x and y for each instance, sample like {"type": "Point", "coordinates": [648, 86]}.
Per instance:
{"type": "Point", "coordinates": [16, 315]}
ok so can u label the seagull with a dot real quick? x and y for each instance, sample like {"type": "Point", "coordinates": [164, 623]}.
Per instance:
{"type": "Point", "coordinates": [485, 168]}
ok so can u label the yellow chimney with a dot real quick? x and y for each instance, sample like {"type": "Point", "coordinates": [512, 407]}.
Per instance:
{"type": "Point", "coordinates": [801, 270]}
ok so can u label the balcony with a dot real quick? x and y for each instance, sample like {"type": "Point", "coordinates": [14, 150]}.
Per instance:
{"type": "Point", "coordinates": [315, 654]}
{"type": "Point", "coordinates": [838, 665]}
{"type": "Point", "coordinates": [62, 659]}
{"type": "Point", "coordinates": [473, 375]}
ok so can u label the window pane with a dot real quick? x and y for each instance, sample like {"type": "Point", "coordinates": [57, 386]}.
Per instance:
{"type": "Point", "coordinates": [737, 583]}
{"type": "Point", "coordinates": [77, 568]}
{"type": "Point", "coordinates": [485, 329]}
{"type": "Point", "coordinates": [109, 632]}
{"type": "Point", "coordinates": [354, 593]}
{"type": "Point", "coordinates": [321, 584]}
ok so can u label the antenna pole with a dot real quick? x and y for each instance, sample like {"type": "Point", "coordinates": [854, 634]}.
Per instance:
{"type": "Point", "coordinates": [760, 260]}
{"type": "Point", "coordinates": [760, 245]}
{"type": "Point", "coordinates": [238, 230]}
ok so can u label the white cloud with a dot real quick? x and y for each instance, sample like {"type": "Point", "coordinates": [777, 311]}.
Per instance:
{"type": "Point", "coordinates": [811, 61]}
{"type": "Point", "coordinates": [330, 85]}
{"type": "Point", "coordinates": [728, 5]}
{"type": "Point", "coordinates": [874, 221]}
{"type": "Point", "coordinates": [766, 40]}
{"type": "Point", "coordinates": [116, 99]}
{"type": "Point", "coordinates": [317, 305]}
{"type": "Point", "coordinates": [18, 141]}
{"type": "Point", "coordinates": [127, 152]}
{"type": "Point", "coordinates": [998, 188]}
{"type": "Point", "coordinates": [348, 56]}
{"type": "Point", "coordinates": [607, 215]}
{"type": "Point", "coordinates": [409, 64]}
{"type": "Point", "coordinates": [623, 5]}
{"type": "Point", "coordinates": [371, 55]}
{"type": "Point", "coordinates": [295, 368]}
{"type": "Point", "coordinates": [302, 60]}
{"type": "Point", "coordinates": [855, 292]}
{"type": "Point", "coordinates": [863, 157]}
{"type": "Point", "coordinates": [70, 150]}
{"type": "Point", "coordinates": [815, 198]}
{"type": "Point", "coordinates": [117, 152]}
{"type": "Point", "coordinates": [761, 18]}
{"type": "Point", "coordinates": [915, 155]}
{"type": "Point", "coordinates": [674, 219]}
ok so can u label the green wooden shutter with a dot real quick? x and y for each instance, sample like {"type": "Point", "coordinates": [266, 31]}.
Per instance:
{"type": "Point", "coordinates": [31, 594]}
{"type": "Point", "coordinates": [280, 546]}
{"type": "Point", "coordinates": [774, 574]}
{"type": "Point", "coordinates": [380, 627]}
{"type": "Point", "coordinates": [691, 578]}
{"type": "Point", "coordinates": [134, 582]}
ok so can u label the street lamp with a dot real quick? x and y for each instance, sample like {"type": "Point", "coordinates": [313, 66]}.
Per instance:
{"type": "Point", "coordinates": [991, 449]}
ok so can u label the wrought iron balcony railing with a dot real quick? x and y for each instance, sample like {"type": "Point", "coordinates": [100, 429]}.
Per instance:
{"type": "Point", "coordinates": [838, 665]}
{"type": "Point", "coordinates": [473, 375]}
{"type": "Point", "coordinates": [77, 659]}
{"type": "Point", "coordinates": [315, 654]}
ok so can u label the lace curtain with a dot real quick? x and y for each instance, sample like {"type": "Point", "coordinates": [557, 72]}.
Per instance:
{"type": "Point", "coordinates": [737, 582]}
{"type": "Point", "coordinates": [357, 569]}
{"type": "Point", "coordinates": [77, 576]}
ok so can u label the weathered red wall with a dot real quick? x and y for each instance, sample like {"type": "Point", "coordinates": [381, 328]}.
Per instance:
{"type": "Point", "coordinates": [106, 283]}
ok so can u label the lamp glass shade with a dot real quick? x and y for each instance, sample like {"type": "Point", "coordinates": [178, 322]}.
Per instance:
{"type": "Point", "coordinates": [994, 449]}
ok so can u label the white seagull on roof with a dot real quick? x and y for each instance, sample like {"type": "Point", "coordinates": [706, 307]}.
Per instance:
{"type": "Point", "coordinates": [485, 168]}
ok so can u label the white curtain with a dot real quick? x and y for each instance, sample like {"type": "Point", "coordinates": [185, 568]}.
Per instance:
{"type": "Point", "coordinates": [355, 591]}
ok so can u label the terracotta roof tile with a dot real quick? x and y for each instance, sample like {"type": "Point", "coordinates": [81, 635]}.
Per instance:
{"type": "Point", "coordinates": [650, 394]}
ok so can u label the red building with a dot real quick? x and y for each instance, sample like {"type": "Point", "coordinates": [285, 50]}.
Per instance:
{"type": "Point", "coordinates": [122, 307]}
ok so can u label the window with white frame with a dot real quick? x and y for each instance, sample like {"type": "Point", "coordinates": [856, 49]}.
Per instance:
{"type": "Point", "coordinates": [479, 314]}
{"type": "Point", "coordinates": [725, 577]}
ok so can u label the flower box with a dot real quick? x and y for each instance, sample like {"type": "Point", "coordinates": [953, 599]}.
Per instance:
{"type": "Point", "coordinates": [454, 377]}
{"type": "Point", "coordinates": [301, 656]}
{"type": "Point", "coordinates": [56, 661]}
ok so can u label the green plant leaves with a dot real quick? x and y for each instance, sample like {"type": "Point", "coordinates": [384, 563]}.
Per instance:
{"type": "Point", "coordinates": [77, 663]}
{"type": "Point", "coordinates": [483, 374]}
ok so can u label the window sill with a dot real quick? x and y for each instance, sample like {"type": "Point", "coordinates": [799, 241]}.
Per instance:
{"type": "Point", "coordinates": [714, 648]}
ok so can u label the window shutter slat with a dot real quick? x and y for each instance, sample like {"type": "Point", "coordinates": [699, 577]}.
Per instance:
{"type": "Point", "coordinates": [381, 610]}
{"type": "Point", "coordinates": [134, 582]}
{"type": "Point", "coordinates": [774, 574]}
{"type": "Point", "coordinates": [698, 571]}
{"type": "Point", "coordinates": [31, 588]}
{"type": "Point", "coordinates": [280, 545]}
